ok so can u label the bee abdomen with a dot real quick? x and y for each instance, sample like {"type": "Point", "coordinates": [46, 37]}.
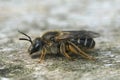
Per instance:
{"type": "Point", "coordinates": [85, 42]}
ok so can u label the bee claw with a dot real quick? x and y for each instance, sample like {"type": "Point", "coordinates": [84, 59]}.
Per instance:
{"type": "Point", "coordinates": [92, 58]}
{"type": "Point", "coordinates": [40, 61]}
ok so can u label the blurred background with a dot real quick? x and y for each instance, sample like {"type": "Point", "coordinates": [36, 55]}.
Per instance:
{"type": "Point", "coordinates": [35, 17]}
{"type": "Point", "coordinates": [38, 15]}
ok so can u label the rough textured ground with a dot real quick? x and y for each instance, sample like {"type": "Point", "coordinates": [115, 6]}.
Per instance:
{"type": "Point", "coordinates": [38, 16]}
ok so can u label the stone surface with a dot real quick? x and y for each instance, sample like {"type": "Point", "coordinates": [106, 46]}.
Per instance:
{"type": "Point", "coordinates": [38, 16]}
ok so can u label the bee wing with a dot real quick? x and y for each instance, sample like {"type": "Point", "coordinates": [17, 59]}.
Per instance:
{"type": "Point", "coordinates": [87, 34]}
{"type": "Point", "coordinates": [77, 34]}
{"type": "Point", "coordinates": [49, 35]}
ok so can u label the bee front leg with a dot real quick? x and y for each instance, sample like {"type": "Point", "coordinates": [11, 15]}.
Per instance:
{"type": "Point", "coordinates": [63, 51]}
{"type": "Point", "coordinates": [75, 49]}
{"type": "Point", "coordinates": [43, 53]}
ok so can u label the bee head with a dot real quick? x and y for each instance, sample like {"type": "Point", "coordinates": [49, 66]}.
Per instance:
{"type": "Point", "coordinates": [36, 44]}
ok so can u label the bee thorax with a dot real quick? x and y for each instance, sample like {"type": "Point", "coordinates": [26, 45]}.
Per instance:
{"type": "Point", "coordinates": [53, 49]}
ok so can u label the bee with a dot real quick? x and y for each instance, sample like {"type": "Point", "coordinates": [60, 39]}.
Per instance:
{"type": "Point", "coordinates": [62, 42]}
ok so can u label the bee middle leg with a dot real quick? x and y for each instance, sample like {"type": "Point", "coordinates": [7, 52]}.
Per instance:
{"type": "Point", "coordinates": [63, 51]}
{"type": "Point", "coordinates": [76, 50]}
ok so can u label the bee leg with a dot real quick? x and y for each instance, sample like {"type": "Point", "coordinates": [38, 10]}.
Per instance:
{"type": "Point", "coordinates": [43, 53]}
{"type": "Point", "coordinates": [63, 51]}
{"type": "Point", "coordinates": [73, 48]}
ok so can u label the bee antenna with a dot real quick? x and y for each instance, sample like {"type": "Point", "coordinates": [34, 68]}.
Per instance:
{"type": "Point", "coordinates": [30, 40]}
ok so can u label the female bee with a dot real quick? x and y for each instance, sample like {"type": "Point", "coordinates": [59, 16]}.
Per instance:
{"type": "Point", "coordinates": [62, 42]}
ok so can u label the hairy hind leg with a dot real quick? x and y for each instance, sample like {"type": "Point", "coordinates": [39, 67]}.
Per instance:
{"type": "Point", "coordinates": [76, 50]}
{"type": "Point", "coordinates": [63, 51]}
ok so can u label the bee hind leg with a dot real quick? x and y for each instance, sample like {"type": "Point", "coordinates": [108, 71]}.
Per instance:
{"type": "Point", "coordinates": [63, 51]}
{"type": "Point", "coordinates": [76, 50]}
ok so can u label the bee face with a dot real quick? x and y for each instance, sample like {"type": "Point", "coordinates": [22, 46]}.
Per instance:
{"type": "Point", "coordinates": [36, 46]}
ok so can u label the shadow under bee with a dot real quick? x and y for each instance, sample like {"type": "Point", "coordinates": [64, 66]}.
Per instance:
{"type": "Point", "coordinates": [49, 56]}
{"type": "Point", "coordinates": [37, 55]}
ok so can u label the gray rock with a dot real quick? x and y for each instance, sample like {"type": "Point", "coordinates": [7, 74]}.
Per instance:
{"type": "Point", "coordinates": [38, 16]}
